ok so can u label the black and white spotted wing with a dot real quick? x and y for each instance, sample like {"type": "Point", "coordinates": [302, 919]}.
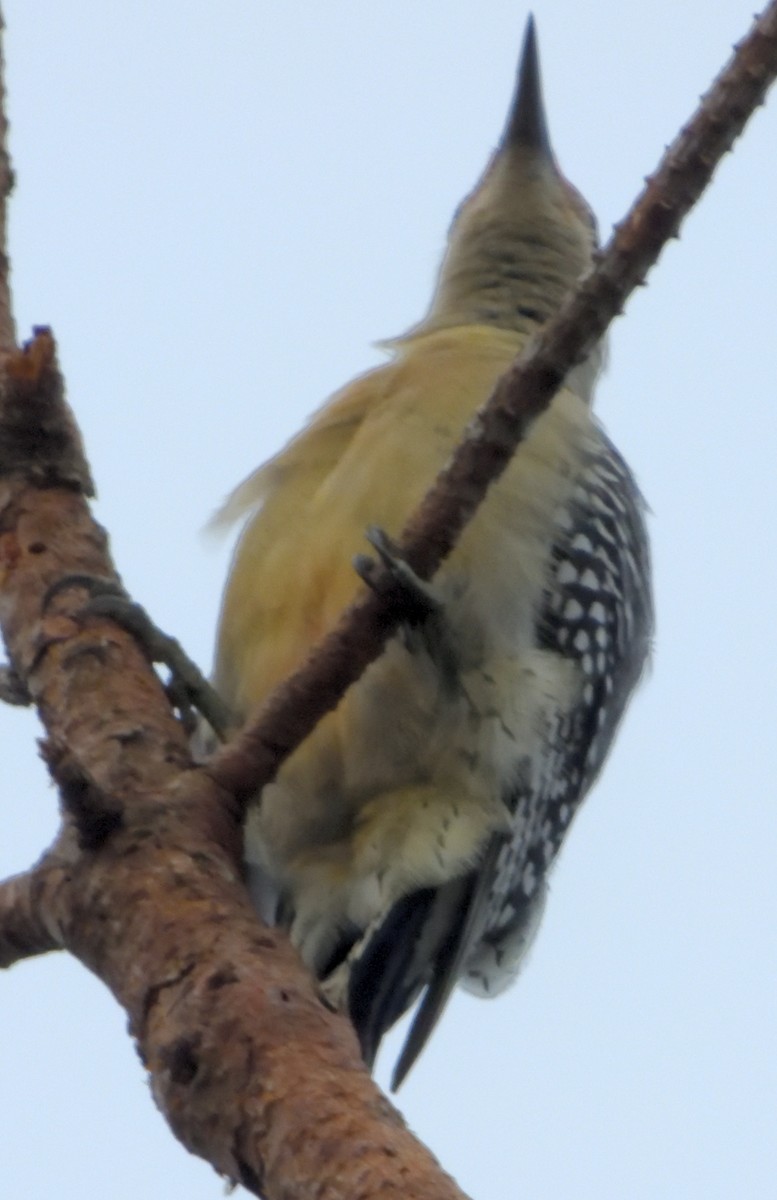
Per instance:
{"type": "Point", "coordinates": [598, 613]}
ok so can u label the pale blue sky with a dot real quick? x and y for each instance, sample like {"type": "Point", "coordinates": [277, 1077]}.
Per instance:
{"type": "Point", "coordinates": [219, 209]}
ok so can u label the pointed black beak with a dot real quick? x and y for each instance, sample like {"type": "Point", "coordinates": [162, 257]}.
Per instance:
{"type": "Point", "coordinates": [526, 125]}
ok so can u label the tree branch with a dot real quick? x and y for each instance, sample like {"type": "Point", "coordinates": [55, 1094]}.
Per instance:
{"type": "Point", "coordinates": [249, 1066]}
{"type": "Point", "coordinates": [23, 905]}
{"type": "Point", "coordinates": [293, 710]}
{"type": "Point", "coordinates": [7, 329]}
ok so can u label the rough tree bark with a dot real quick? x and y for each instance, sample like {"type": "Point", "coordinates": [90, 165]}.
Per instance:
{"type": "Point", "coordinates": [143, 884]}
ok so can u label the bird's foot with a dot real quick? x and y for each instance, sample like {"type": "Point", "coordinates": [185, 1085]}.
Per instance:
{"type": "Point", "coordinates": [393, 579]}
{"type": "Point", "coordinates": [187, 688]}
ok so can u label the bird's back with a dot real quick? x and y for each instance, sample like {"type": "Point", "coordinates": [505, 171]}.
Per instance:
{"type": "Point", "coordinates": [400, 789]}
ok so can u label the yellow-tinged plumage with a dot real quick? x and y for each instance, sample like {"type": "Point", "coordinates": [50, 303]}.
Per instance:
{"type": "Point", "coordinates": [454, 765]}
{"type": "Point", "coordinates": [368, 456]}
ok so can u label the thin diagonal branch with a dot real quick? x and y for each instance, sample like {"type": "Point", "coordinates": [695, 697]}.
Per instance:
{"type": "Point", "coordinates": [293, 710]}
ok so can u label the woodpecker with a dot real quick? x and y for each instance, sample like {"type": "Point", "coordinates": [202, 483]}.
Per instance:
{"type": "Point", "coordinates": [406, 844]}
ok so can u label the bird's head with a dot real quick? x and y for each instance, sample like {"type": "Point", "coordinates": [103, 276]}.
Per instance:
{"type": "Point", "coordinates": [524, 236]}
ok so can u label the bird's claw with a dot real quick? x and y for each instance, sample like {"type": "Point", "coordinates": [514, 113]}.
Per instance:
{"type": "Point", "coordinates": [393, 579]}
{"type": "Point", "coordinates": [187, 688]}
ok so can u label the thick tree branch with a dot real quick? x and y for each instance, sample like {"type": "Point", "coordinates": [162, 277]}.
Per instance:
{"type": "Point", "coordinates": [293, 710]}
{"type": "Point", "coordinates": [250, 1067]}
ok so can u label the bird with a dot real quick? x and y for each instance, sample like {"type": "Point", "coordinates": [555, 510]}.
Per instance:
{"type": "Point", "coordinates": [406, 844]}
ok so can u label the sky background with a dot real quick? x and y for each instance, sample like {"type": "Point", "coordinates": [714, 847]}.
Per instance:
{"type": "Point", "coordinates": [218, 210]}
